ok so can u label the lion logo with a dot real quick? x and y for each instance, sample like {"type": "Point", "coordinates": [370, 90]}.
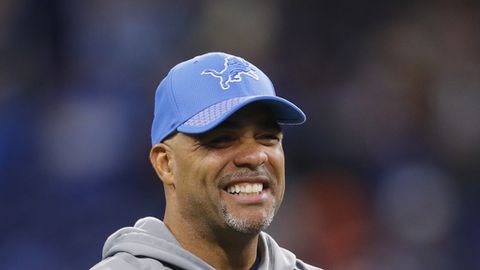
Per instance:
{"type": "Point", "coordinates": [233, 70]}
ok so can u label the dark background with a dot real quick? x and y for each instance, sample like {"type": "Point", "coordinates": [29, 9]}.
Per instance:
{"type": "Point", "coordinates": [384, 174]}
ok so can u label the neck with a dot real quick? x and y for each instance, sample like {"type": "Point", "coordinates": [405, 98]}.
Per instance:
{"type": "Point", "coordinates": [222, 248]}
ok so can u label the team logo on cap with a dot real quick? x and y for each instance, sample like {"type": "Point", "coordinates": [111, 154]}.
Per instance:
{"type": "Point", "coordinates": [234, 68]}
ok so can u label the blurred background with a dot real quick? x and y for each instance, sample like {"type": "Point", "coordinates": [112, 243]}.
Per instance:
{"type": "Point", "coordinates": [384, 174]}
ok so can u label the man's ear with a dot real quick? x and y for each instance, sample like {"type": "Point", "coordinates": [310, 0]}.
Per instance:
{"type": "Point", "coordinates": [162, 162]}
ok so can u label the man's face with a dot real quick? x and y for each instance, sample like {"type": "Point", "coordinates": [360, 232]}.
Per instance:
{"type": "Point", "coordinates": [233, 175]}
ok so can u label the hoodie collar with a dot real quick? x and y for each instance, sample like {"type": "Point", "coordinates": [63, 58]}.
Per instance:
{"type": "Point", "coordinates": [150, 237]}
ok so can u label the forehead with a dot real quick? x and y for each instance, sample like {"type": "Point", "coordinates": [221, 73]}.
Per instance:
{"type": "Point", "coordinates": [257, 116]}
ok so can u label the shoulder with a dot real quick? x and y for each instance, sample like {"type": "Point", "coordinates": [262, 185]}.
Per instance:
{"type": "Point", "coordinates": [126, 261]}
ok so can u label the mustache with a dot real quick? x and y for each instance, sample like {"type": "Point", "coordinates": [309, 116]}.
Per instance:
{"type": "Point", "coordinates": [247, 173]}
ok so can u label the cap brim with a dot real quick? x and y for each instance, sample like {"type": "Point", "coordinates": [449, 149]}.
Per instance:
{"type": "Point", "coordinates": [284, 111]}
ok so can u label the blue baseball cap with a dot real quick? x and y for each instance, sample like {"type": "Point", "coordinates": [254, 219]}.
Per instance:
{"type": "Point", "coordinates": [199, 94]}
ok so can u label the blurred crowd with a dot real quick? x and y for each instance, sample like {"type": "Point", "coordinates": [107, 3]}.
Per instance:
{"type": "Point", "coordinates": [384, 174]}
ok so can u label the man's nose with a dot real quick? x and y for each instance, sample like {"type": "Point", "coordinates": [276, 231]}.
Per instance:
{"type": "Point", "coordinates": [250, 154]}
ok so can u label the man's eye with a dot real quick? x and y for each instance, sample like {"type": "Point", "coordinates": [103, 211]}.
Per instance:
{"type": "Point", "coordinates": [269, 139]}
{"type": "Point", "coordinates": [220, 141]}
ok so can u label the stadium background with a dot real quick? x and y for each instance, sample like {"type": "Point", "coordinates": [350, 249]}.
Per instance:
{"type": "Point", "coordinates": [384, 175]}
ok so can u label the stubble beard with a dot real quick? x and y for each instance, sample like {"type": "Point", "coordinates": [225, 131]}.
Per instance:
{"type": "Point", "coordinates": [244, 224]}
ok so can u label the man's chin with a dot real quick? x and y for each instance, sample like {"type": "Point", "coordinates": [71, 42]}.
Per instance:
{"type": "Point", "coordinates": [248, 224]}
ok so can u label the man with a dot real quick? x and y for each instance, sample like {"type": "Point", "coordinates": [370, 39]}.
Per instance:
{"type": "Point", "coordinates": [217, 147]}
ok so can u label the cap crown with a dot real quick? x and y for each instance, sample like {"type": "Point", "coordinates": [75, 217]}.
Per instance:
{"type": "Point", "coordinates": [207, 89]}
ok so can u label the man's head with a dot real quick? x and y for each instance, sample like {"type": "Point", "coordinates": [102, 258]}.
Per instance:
{"type": "Point", "coordinates": [217, 143]}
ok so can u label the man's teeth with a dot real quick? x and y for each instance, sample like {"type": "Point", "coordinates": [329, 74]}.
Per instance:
{"type": "Point", "coordinates": [248, 189]}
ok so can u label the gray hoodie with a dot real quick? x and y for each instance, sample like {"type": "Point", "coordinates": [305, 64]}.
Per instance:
{"type": "Point", "coordinates": [150, 245]}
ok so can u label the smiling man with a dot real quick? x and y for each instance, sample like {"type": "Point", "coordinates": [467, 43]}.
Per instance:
{"type": "Point", "coordinates": [217, 147]}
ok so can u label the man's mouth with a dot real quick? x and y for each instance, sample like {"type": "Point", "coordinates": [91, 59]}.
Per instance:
{"type": "Point", "coordinates": [248, 192]}
{"type": "Point", "coordinates": [245, 189]}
